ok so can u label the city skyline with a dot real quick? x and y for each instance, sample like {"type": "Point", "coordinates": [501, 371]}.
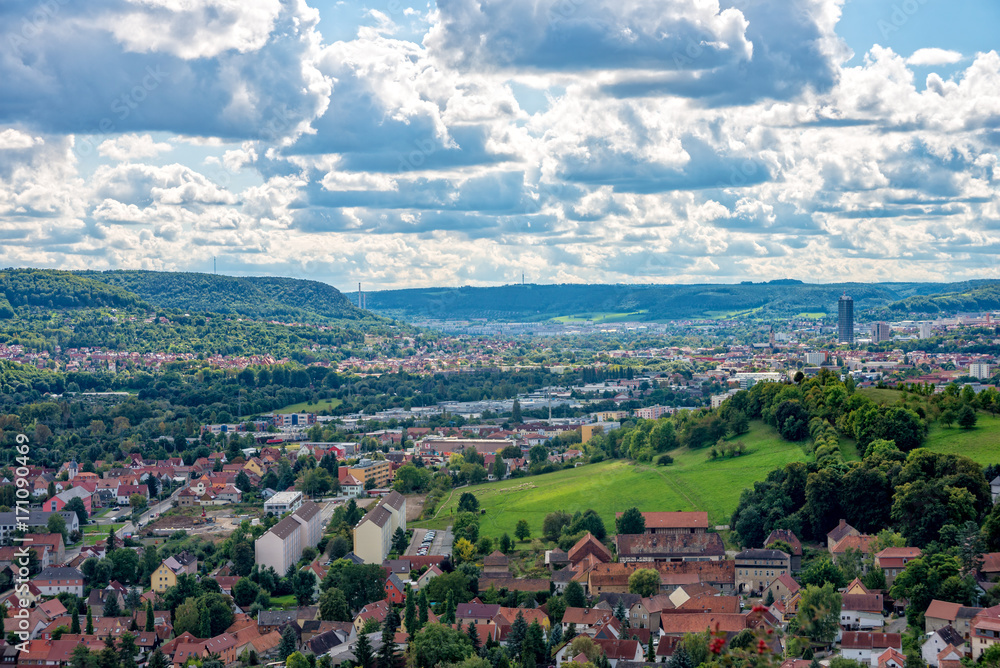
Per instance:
{"type": "Point", "coordinates": [402, 144]}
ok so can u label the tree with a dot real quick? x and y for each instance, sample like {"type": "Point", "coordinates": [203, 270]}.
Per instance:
{"type": "Point", "coordinates": [506, 545]}
{"type": "Point", "coordinates": [819, 613]}
{"type": "Point", "coordinates": [681, 658]}
{"type": "Point", "coordinates": [553, 524]}
{"type": "Point", "coordinates": [399, 541]}
{"type": "Point", "coordinates": [437, 644]}
{"type": "Point", "coordinates": [127, 650]}
{"type": "Point", "coordinates": [57, 524]}
{"type": "Point", "coordinates": [644, 582]}
{"type": "Point", "coordinates": [363, 651]}
{"type": "Point", "coordinates": [464, 551]}
{"type": "Point", "coordinates": [533, 648]}
{"type": "Point", "coordinates": [631, 522]}
{"type": "Point", "coordinates": [516, 636]}
{"type": "Point", "coordinates": [137, 501]}
{"type": "Point", "coordinates": [304, 585]}
{"type": "Point", "coordinates": [473, 633]}
{"type": "Point", "coordinates": [157, 660]}
{"type": "Point", "coordinates": [468, 503]}
{"type": "Point", "coordinates": [245, 592]}
{"type": "Point", "coordinates": [204, 622]}
{"type": "Point", "coordinates": [74, 621]}
{"type": "Point", "coordinates": [81, 658]}
{"type": "Point", "coordinates": [296, 660]}
{"type": "Point", "coordinates": [515, 414]}
{"type": "Point", "coordinates": [333, 606]}
{"type": "Point", "coordinates": [522, 531]}
{"type": "Point", "coordinates": [387, 652]}
{"type": "Point", "coordinates": [288, 643]}
{"type": "Point", "coordinates": [76, 505]}
{"type": "Point", "coordinates": [574, 595]}
{"type": "Point", "coordinates": [242, 555]}
{"type": "Point", "coordinates": [111, 608]}
{"type": "Point", "coordinates": [149, 615]}
{"type": "Point", "coordinates": [967, 417]}
{"type": "Point", "coordinates": [410, 614]}
{"type": "Point", "coordinates": [90, 622]}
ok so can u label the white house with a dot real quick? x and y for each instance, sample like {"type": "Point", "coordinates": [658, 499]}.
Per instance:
{"type": "Point", "coordinates": [938, 641]}
{"type": "Point", "coordinates": [865, 647]}
{"type": "Point", "coordinates": [861, 612]}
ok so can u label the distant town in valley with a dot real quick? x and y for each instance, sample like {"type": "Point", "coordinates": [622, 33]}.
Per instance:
{"type": "Point", "coordinates": [213, 488]}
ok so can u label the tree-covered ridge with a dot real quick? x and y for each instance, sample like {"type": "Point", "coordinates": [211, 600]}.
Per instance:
{"type": "Point", "coordinates": [48, 288]}
{"type": "Point", "coordinates": [648, 302]}
{"type": "Point", "coordinates": [970, 297]}
{"type": "Point", "coordinates": [264, 297]}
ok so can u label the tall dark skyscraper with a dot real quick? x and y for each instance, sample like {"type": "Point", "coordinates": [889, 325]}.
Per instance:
{"type": "Point", "coordinates": [845, 320]}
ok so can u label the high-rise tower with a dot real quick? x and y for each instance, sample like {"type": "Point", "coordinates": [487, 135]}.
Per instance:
{"type": "Point", "coordinates": [845, 320]}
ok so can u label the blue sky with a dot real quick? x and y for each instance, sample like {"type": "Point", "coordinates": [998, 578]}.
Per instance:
{"type": "Point", "coordinates": [403, 143]}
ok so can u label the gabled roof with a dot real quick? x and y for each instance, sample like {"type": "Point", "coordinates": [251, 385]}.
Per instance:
{"type": "Point", "coordinates": [787, 536]}
{"type": "Point", "coordinates": [949, 635]}
{"type": "Point", "coordinates": [684, 544]}
{"type": "Point", "coordinates": [307, 510]}
{"type": "Point", "coordinates": [788, 582]}
{"type": "Point", "coordinates": [860, 543]}
{"type": "Point", "coordinates": [871, 641]}
{"type": "Point", "coordinates": [861, 602]}
{"type": "Point", "coordinates": [674, 520]}
{"type": "Point", "coordinates": [589, 545]}
{"type": "Point", "coordinates": [839, 531]}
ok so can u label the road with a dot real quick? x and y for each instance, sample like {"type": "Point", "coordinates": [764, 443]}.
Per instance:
{"type": "Point", "coordinates": [160, 508]}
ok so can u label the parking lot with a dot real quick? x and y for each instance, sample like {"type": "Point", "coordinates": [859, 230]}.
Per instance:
{"type": "Point", "coordinates": [439, 542]}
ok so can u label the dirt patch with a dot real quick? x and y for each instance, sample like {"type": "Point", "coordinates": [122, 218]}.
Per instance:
{"type": "Point", "coordinates": [414, 506]}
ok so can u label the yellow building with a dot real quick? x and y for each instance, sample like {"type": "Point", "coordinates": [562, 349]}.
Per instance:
{"type": "Point", "coordinates": [165, 576]}
{"type": "Point", "coordinates": [380, 470]}
{"type": "Point", "coordinates": [255, 466]}
{"type": "Point", "coordinates": [588, 431]}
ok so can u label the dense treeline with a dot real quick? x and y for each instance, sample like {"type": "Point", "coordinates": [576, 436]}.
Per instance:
{"type": "Point", "coordinates": [642, 302]}
{"type": "Point", "coordinates": [48, 288]}
{"type": "Point", "coordinates": [978, 296]}
{"type": "Point", "coordinates": [896, 484]}
{"type": "Point", "coordinates": [252, 296]}
{"type": "Point", "coordinates": [175, 403]}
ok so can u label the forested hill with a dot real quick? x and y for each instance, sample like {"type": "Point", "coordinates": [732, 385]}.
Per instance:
{"type": "Point", "coordinates": [981, 297]}
{"type": "Point", "coordinates": [46, 288]}
{"type": "Point", "coordinates": [252, 296]}
{"type": "Point", "coordinates": [286, 299]}
{"type": "Point", "coordinates": [652, 302]}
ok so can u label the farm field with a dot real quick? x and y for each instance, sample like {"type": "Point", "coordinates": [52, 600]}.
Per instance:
{"type": "Point", "coordinates": [693, 482]}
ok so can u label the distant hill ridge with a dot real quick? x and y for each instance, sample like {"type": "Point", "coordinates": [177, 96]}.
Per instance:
{"type": "Point", "coordinates": [256, 296]}
{"type": "Point", "coordinates": [646, 302]}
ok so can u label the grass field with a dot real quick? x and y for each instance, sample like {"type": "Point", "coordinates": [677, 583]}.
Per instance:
{"type": "Point", "coordinates": [981, 444]}
{"type": "Point", "coordinates": [94, 533]}
{"type": "Point", "coordinates": [283, 602]}
{"type": "Point", "coordinates": [306, 407]}
{"type": "Point", "coordinates": [693, 482]}
{"type": "Point", "coordinates": [596, 317]}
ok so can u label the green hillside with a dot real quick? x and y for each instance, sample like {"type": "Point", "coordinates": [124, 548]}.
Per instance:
{"type": "Point", "coordinates": [251, 296]}
{"type": "Point", "coordinates": [693, 482]}
{"type": "Point", "coordinates": [569, 302]}
{"type": "Point", "coordinates": [982, 443]}
{"type": "Point", "coordinates": [52, 289]}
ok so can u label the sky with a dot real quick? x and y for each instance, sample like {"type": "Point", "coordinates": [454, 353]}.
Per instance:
{"type": "Point", "coordinates": [401, 143]}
